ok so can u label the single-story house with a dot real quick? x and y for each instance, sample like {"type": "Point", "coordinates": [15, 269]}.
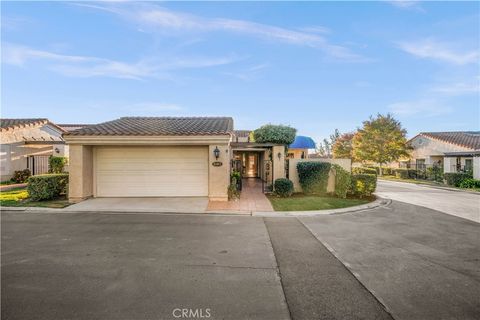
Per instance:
{"type": "Point", "coordinates": [164, 157]}
{"type": "Point", "coordinates": [457, 151]}
{"type": "Point", "coordinates": [27, 144]}
{"type": "Point", "coordinates": [299, 148]}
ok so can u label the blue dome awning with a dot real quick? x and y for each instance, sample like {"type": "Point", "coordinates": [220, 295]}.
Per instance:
{"type": "Point", "coordinates": [302, 142]}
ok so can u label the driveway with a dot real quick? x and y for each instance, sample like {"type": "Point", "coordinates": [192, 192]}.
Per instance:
{"type": "Point", "coordinates": [137, 266]}
{"type": "Point", "coordinates": [458, 203]}
{"type": "Point", "coordinates": [122, 205]}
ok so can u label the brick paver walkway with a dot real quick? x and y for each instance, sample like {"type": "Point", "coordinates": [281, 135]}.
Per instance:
{"type": "Point", "coordinates": [251, 199]}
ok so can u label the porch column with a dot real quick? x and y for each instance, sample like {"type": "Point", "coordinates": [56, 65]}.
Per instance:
{"type": "Point", "coordinates": [449, 164]}
{"type": "Point", "coordinates": [218, 175]}
{"type": "Point", "coordinates": [476, 167]}
{"type": "Point", "coordinates": [278, 157]}
{"type": "Point", "coordinates": [80, 168]}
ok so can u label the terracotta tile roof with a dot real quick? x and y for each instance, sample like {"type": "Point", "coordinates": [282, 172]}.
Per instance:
{"type": "Point", "coordinates": [158, 126]}
{"type": "Point", "coordinates": [15, 123]}
{"type": "Point", "coordinates": [467, 139]}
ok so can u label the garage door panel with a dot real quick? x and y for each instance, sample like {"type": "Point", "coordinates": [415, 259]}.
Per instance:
{"type": "Point", "coordinates": [151, 171]}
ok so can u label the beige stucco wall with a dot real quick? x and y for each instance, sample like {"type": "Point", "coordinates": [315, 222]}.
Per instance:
{"type": "Point", "coordinates": [293, 173]}
{"type": "Point", "coordinates": [297, 153]}
{"type": "Point", "coordinates": [219, 177]}
{"type": "Point", "coordinates": [427, 148]}
{"type": "Point", "coordinates": [80, 172]}
{"type": "Point", "coordinates": [14, 151]}
{"type": "Point", "coordinates": [278, 162]}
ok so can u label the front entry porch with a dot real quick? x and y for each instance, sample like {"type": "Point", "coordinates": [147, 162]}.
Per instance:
{"type": "Point", "coordinates": [251, 199]}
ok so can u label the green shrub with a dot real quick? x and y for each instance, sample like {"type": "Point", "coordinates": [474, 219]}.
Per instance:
{"type": "Point", "coordinates": [313, 176]}
{"type": "Point", "coordinates": [278, 134]}
{"type": "Point", "coordinates": [363, 185]}
{"type": "Point", "coordinates": [56, 164]}
{"type": "Point", "coordinates": [343, 181]}
{"type": "Point", "coordinates": [456, 178]}
{"type": "Point", "coordinates": [387, 171]}
{"type": "Point", "coordinates": [47, 186]}
{"type": "Point", "coordinates": [283, 187]}
{"type": "Point", "coordinates": [470, 183]}
{"type": "Point", "coordinates": [21, 176]}
{"type": "Point", "coordinates": [363, 170]}
{"type": "Point", "coordinates": [376, 168]}
{"type": "Point", "coordinates": [435, 173]}
{"type": "Point", "coordinates": [406, 173]}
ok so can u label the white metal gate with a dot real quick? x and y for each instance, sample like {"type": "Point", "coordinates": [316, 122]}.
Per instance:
{"type": "Point", "coordinates": [37, 164]}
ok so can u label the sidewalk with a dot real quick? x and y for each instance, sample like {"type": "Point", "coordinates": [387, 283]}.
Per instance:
{"type": "Point", "coordinates": [252, 199]}
{"type": "Point", "coordinates": [7, 187]}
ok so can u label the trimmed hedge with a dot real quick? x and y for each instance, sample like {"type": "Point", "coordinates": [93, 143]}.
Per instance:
{"type": "Point", "coordinates": [387, 171]}
{"type": "Point", "coordinates": [470, 183]}
{"type": "Point", "coordinates": [47, 186]}
{"type": "Point", "coordinates": [21, 176]}
{"type": "Point", "coordinates": [456, 178]}
{"type": "Point", "coordinates": [313, 176]}
{"type": "Point", "coordinates": [56, 164]}
{"type": "Point", "coordinates": [283, 187]}
{"type": "Point", "coordinates": [363, 185]}
{"type": "Point", "coordinates": [343, 181]}
{"type": "Point", "coordinates": [363, 170]}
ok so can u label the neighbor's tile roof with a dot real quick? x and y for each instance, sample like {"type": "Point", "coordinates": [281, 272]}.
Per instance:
{"type": "Point", "coordinates": [467, 139]}
{"type": "Point", "coordinates": [158, 126]}
{"type": "Point", "coordinates": [13, 123]}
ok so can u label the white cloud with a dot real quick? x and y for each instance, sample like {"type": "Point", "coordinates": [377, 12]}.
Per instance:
{"type": "Point", "coordinates": [86, 66]}
{"type": "Point", "coordinates": [432, 49]}
{"type": "Point", "coordinates": [420, 108]}
{"type": "Point", "coordinates": [160, 20]}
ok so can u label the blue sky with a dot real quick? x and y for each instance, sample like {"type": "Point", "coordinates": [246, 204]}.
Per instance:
{"type": "Point", "coordinates": [315, 66]}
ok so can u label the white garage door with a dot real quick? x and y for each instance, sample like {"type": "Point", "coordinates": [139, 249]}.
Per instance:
{"type": "Point", "coordinates": [151, 171]}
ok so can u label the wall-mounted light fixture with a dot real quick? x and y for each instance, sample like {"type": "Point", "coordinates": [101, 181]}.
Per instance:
{"type": "Point", "coordinates": [216, 152]}
{"type": "Point", "coordinates": [279, 155]}
{"type": "Point", "coordinates": [57, 150]}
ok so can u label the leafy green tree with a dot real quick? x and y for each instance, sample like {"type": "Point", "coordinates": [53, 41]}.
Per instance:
{"type": "Point", "coordinates": [342, 148]}
{"type": "Point", "coordinates": [381, 140]}
{"type": "Point", "coordinates": [278, 134]}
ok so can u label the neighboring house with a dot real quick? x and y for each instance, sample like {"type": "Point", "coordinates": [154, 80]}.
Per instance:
{"type": "Point", "coordinates": [165, 157]}
{"type": "Point", "coordinates": [457, 151]}
{"type": "Point", "coordinates": [27, 144]}
{"type": "Point", "coordinates": [299, 148]}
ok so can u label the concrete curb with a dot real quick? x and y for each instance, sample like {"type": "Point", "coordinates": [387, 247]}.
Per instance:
{"type": "Point", "coordinates": [377, 203]}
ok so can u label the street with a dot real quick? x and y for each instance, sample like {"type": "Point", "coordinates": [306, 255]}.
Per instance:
{"type": "Point", "coordinates": [458, 203]}
{"type": "Point", "coordinates": [400, 261]}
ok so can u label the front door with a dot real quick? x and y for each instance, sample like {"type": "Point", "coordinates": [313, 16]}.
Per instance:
{"type": "Point", "coordinates": [251, 165]}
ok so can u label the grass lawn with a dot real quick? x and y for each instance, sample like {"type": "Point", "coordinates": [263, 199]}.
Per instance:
{"type": "Point", "coordinates": [425, 182]}
{"type": "Point", "coordinates": [300, 202]}
{"type": "Point", "coordinates": [18, 197]}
